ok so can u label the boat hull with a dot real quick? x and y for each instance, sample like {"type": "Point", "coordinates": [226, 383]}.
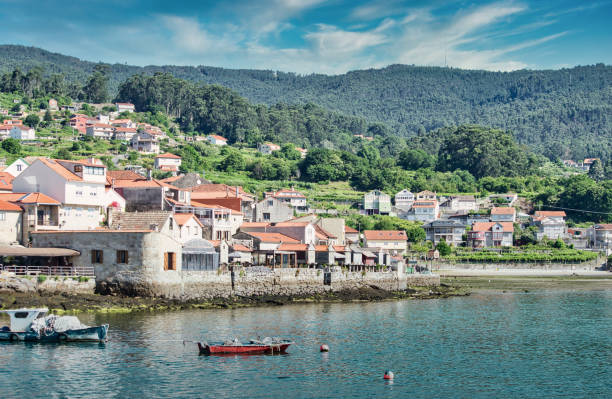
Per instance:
{"type": "Point", "coordinates": [212, 349]}
{"type": "Point", "coordinates": [90, 334]}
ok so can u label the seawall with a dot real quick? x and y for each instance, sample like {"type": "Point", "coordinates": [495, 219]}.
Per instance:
{"type": "Point", "coordinates": [583, 266]}
{"type": "Point", "coordinates": [255, 282]}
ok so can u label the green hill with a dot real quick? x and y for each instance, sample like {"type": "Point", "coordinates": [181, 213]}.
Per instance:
{"type": "Point", "coordinates": [563, 113]}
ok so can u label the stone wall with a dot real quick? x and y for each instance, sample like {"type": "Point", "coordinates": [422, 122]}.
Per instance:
{"type": "Point", "coordinates": [52, 285]}
{"type": "Point", "coordinates": [292, 282]}
{"type": "Point", "coordinates": [590, 265]}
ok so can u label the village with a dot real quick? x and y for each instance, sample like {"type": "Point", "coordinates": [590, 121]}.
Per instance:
{"type": "Point", "coordinates": [77, 217]}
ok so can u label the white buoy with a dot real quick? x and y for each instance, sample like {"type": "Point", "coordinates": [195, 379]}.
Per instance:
{"type": "Point", "coordinates": [388, 375]}
{"type": "Point", "coordinates": [324, 348]}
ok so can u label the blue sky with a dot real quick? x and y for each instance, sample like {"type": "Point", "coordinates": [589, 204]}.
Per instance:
{"type": "Point", "coordinates": [317, 36]}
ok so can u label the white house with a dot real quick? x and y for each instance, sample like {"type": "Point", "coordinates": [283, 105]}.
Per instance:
{"type": "Point", "coordinates": [550, 224]}
{"type": "Point", "coordinates": [292, 197]}
{"type": "Point", "coordinates": [124, 133]}
{"type": "Point", "coordinates": [78, 185]}
{"type": "Point", "coordinates": [22, 132]}
{"type": "Point", "coordinates": [145, 143]}
{"type": "Point", "coordinates": [189, 226]}
{"type": "Point", "coordinates": [216, 140]}
{"type": "Point", "coordinates": [491, 234]}
{"type": "Point", "coordinates": [10, 223]}
{"type": "Point", "coordinates": [167, 162]}
{"type": "Point", "coordinates": [404, 199]}
{"type": "Point", "coordinates": [503, 214]}
{"type": "Point", "coordinates": [268, 148]}
{"type": "Point", "coordinates": [423, 210]}
{"type": "Point", "coordinates": [426, 196]}
{"type": "Point", "coordinates": [100, 130]}
{"type": "Point", "coordinates": [392, 240]}
{"type": "Point", "coordinates": [18, 166]}
{"type": "Point", "coordinates": [123, 107]}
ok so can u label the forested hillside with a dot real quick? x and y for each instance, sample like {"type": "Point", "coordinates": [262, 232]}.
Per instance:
{"type": "Point", "coordinates": [562, 113]}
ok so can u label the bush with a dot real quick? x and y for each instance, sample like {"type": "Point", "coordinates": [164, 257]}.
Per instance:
{"type": "Point", "coordinates": [12, 146]}
{"type": "Point", "coordinates": [42, 278]}
{"type": "Point", "coordinates": [83, 279]}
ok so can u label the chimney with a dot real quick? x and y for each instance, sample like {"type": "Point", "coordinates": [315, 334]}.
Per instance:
{"type": "Point", "coordinates": [236, 191]}
{"type": "Point", "coordinates": [149, 174]}
{"type": "Point", "coordinates": [154, 227]}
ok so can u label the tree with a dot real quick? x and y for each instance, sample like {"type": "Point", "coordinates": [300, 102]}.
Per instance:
{"type": "Point", "coordinates": [484, 152]}
{"type": "Point", "coordinates": [96, 90]}
{"type": "Point", "coordinates": [48, 117]}
{"type": "Point", "coordinates": [413, 159]}
{"type": "Point", "coordinates": [596, 171]}
{"type": "Point", "coordinates": [443, 248]}
{"type": "Point", "coordinates": [64, 153]}
{"type": "Point", "coordinates": [32, 120]}
{"type": "Point", "coordinates": [12, 146]}
{"type": "Point", "coordinates": [234, 161]}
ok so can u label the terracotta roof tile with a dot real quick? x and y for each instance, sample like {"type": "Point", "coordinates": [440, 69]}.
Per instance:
{"type": "Point", "coordinates": [292, 247]}
{"type": "Point", "coordinates": [182, 218]}
{"type": "Point", "coordinates": [272, 237]}
{"type": "Point", "coordinates": [168, 155]}
{"type": "Point", "coordinates": [9, 207]}
{"type": "Point", "coordinates": [503, 211]}
{"type": "Point", "coordinates": [385, 235]}
{"type": "Point", "coordinates": [508, 227]}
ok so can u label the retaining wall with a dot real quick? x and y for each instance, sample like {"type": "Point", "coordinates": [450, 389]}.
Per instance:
{"type": "Point", "coordinates": [590, 265]}
{"type": "Point", "coordinates": [290, 282]}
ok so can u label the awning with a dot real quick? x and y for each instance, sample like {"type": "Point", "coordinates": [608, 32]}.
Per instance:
{"type": "Point", "coordinates": [18, 250]}
{"type": "Point", "coordinates": [339, 256]}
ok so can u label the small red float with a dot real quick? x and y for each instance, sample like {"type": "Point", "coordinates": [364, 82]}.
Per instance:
{"type": "Point", "coordinates": [388, 375]}
{"type": "Point", "coordinates": [324, 348]}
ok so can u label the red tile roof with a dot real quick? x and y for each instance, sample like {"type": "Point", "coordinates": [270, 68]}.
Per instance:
{"type": "Point", "coordinates": [503, 211]}
{"type": "Point", "coordinates": [395, 235]}
{"type": "Point", "coordinates": [254, 224]}
{"type": "Point", "coordinates": [60, 170]}
{"type": "Point", "coordinates": [217, 137]}
{"type": "Point", "coordinates": [168, 155]}
{"type": "Point", "coordinates": [6, 181]}
{"type": "Point", "coordinates": [121, 175]}
{"type": "Point", "coordinates": [9, 207]}
{"type": "Point", "coordinates": [272, 237]}
{"type": "Point", "coordinates": [241, 248]}
{"type": "Point", "coordinates": [540, 214]}
{"type": "Point", "coordinates": [508, 227]}
{"type": "Point", "coordinates": [604, 226]}
{"type": "Point", "coordinates": [293, 247]}
{"type": "Point", "coordinates": [348, 229]}
{"type": "Point", "coordinates": [182, 218]}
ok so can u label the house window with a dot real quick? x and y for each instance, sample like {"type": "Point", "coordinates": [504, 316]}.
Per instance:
{"type": "Point", "coordinates": [271, 203]}
{"type": "Point", "coordinates": [18, 168]}
{"type": "Point", "coordinates": [91, 212]}
{"type": "Point", "coordinates": [2, 215]}
{"type": "Point", "coordinates": [171, 224]}
{"type": "Point", "coordinates": [97, 256]}
{"type": "Point", "coordinates": [169, 261]}
{"type": "Point", "coordinates": [79, 211]}
{"type": "Point", "coordinates": [218, 235]}
{"type": "Point", "coordinates": [79, 193]}
{"type": "Point", "coordinates": [122, 256]}
{"type": "Point", "coordinates": [93, 193]}
{"type": "Point", "coordinates": [266, 216]}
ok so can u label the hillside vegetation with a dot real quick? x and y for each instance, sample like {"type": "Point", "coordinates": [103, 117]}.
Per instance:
{"type": "Point", "coordinates": [563, 113]}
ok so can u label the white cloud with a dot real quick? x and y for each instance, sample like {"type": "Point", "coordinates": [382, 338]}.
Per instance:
{"type": "Point", "coordinates": [190, 36]}
{"type": "Point", "coordinates": [330, 41]}
{"type": "Point", "coordinates": [440, 43]}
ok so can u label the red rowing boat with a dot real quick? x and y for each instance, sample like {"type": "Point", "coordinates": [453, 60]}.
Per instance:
{"type": "Point", "coordinates": [235, 347]}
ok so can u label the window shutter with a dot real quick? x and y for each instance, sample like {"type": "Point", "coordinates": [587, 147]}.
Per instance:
{"type": "Point", "coordinates": [165, 260]}
{"type": "Point", "coordinates": [173, 261]}
{"type": "Point", "coordinates": [93, 256]}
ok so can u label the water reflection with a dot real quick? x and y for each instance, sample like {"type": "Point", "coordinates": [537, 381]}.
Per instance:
{"type": "Point", "coordinates": [520, 345]}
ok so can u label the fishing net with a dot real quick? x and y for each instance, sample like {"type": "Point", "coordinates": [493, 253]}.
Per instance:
{"type": "Point", "coordinates": [56, 323]}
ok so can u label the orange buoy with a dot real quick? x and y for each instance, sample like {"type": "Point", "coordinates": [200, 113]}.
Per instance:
{"type": "Point", "coordinates": [388, 375]}
{"type": "Point", "coordinates": [324, 348]}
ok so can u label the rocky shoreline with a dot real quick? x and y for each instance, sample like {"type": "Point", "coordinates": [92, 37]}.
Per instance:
{"type": "Point", "coordinates": [77, 303]}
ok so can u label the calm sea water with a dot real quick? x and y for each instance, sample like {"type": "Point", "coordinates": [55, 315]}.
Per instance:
{"type": "Point", "coordinates": [522, 345]}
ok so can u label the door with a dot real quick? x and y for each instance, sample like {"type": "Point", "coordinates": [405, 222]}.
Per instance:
{"type": "Point", "coordinates": [40, 217]}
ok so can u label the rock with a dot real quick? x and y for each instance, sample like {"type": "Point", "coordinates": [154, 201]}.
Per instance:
{"type": "Point", "coordinates": [17, 284]}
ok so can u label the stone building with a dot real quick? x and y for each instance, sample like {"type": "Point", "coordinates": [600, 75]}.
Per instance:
{"type": "Point", "coordinates": [272, 210]}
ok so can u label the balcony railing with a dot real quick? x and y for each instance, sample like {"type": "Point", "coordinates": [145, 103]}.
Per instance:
{"type": "Point", "coordinates": [85, 271]}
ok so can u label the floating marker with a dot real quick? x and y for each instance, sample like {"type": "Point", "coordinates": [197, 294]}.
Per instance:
{"type": "Point", "coordinates": [388, 375]}
{"type": "Point", "coordinates": [324, 348]}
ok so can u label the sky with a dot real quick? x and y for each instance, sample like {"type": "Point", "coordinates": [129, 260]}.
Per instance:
{"type": "Point", "coordinates": [317, 36]}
